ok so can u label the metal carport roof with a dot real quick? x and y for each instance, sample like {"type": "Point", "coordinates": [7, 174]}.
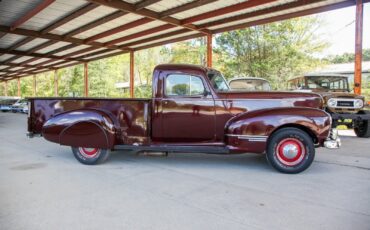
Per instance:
{"type": "Point", "coordinates": [43, 35]}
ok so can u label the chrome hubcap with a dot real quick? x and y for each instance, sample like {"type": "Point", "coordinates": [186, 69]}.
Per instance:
{"type": "Point", "coordinates": [290, 151]}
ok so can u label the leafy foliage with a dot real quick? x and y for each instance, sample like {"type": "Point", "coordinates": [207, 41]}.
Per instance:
{"type": "Point", "coordinates": [348, 57]}
{"type": "Point", "coordinates": [277, 51]}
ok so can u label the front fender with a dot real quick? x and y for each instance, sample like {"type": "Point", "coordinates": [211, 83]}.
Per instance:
{"type": "Point", "coordinates": [256, 126]}
{"type": "Point", "coordinates": [85, 127]}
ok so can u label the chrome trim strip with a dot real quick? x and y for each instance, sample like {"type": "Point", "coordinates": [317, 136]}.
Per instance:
{"type": "Point", "coordinates": [254, 138]}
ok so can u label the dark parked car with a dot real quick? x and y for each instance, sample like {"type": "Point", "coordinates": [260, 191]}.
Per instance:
{"type": "Point", "coordinates": [345, 107]}
{"type": "Point", "coordinates": [192, 110]}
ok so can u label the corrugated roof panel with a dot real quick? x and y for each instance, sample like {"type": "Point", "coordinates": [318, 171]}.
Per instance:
{"type": "Point", "coordinates": [150, 35]}
{"type": "Point", "coordinates": [269, 5]}
{"type": "Point", "coordinates": [32, 44]}
{"type": "Point", "coordinates": [17, 68]}
{"type": "Point", "coordinates": [5, 57]}
{"type": "Point", "coordinates": [39, 61]}
{"type": "Point", "coordinates": [22, 59]}
{"type": "Point", "coordinates": [64, 64]}
{"type": "Point", "coordinates": [109, 25]}
{"type": "Point", "coordinates": [77, 48]}
{"type": "Point", "coordinates": [206, 8]}
{"type": "Point", "coordinates": [84, 19]}
{"type": "Point", "coordinates": [308, 6]}
{"type": "Point", "coordinates": [93, 51]}
{"type": "Point", "coordinates": [133, 30]}
{"type": "Point", "coordinates": [11, 11]}
{"type": "Point", "coordinates": [164, 39]}
{"type": "Point", "coordinates": [53, 47]}
{"type": "Point", "coordinates": [10, 39]}
{"type": "Point", "coordinates": [110, 52]}
{"type": "Point", "coordinates": [167, 4]}
{"type": "Point", "coordinates": [53, 13]}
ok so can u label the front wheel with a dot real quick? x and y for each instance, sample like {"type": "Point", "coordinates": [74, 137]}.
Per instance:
{"type": "Point", "coordinates": [90, 156]}
{"type": "Point", "coordinates": [290, 150]}
{"type": "Point", "coordinates": [362, 128]}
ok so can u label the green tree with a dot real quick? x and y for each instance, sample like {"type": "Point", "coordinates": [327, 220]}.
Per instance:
{"type": "Point", "coordinates": [277, 51]}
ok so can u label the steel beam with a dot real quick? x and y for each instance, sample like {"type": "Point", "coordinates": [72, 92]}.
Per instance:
{"type": "Point", "coordinates": [358, 46]}
{"type": "Point", "coordinates": [19, 86]}
{"type": "Point", "coordinates": [132, 74]}
{"type": "Point", "coordinates": [209, 50]}
{"type": "Point", "coordinates": [34, 86]}
{"type": "Point", "coordinates": [145, 3]}
{"type": "Point", "coordinates": [86, 79]}
{"type": "Point", "coordinates": [6, 88]}
{"type": "Point", "coordinates": [185, 7]}
{"type": "Point", "coordinates": [56, 82]}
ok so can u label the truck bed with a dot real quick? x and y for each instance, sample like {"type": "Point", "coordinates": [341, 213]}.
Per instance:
{"type": "Point", "coordinates": [131, 116]}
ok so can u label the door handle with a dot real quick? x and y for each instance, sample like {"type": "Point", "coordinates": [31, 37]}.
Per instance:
{"type": "Point", "coordinates": [165, 102]}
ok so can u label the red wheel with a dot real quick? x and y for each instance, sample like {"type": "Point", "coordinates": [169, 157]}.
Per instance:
{"type": "Point", "coordinates": [290, 150]}
{"type": "Point", "coordinates": [89, 152]}
{"type": "Point", "coordinates": [90, 156]}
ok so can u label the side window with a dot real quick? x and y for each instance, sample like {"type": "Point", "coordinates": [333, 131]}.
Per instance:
{"type": "Point", "coordinates": [183, 85]}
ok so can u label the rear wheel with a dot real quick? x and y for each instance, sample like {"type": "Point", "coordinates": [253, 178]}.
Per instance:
{"type": "Point", "coordinates": [290, 150]}
{"type": "Point", "coordinates": [90, 156]}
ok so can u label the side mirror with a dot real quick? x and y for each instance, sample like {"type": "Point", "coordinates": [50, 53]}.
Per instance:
{"type": "Point", "coordinates": [206, 93]}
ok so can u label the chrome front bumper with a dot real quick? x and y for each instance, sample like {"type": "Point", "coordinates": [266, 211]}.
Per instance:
{"type": "Point", "coordinates": [333, 140]}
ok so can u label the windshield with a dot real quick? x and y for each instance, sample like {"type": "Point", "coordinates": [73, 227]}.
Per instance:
{"type": "Point", "coordinates": [250, 85]}
{"type": "Point", "coordinates": [327, 83]}
{"type": "Point", "coordinates": [218, 82]}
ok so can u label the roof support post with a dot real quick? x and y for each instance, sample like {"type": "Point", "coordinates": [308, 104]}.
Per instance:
{"type": "Point", "coordinates": [132, 79]}
{"type": "Point", "coordinates": [86, 79]}
{"type": "Point", "coordinates": [19, 86]}
{"type": "Point", "coordinates": [6, 88]}
{"type": "Point", "coordinates": [358, 46]}
{"type": "Point", "coordinates": [56, 82]}
{"type": "Point", "coordinates": [209, 50]}
{"type": "Point", "coordinates": [34, 85]}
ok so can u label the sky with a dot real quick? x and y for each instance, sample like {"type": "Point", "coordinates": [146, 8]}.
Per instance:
{"type": "Point", "coordinates": [339, 30]}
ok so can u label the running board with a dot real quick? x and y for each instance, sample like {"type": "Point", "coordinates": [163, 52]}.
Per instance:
{"type": "Point", "coordinates": [175, 148]}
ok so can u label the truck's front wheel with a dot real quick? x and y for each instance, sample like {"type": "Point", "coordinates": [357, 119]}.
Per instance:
{"type": "Point", "coordinates": [290, 150]}
{"type": "Point", "coordinates": [362, 128]}
{"type": "Point", "coordinates": [90, 156]}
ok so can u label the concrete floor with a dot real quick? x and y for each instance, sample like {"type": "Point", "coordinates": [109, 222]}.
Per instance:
{"type": "Point", "coordinates": [42, 186]}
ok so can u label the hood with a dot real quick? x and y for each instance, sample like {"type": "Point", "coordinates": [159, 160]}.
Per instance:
{"type": "Point", "coordinates": [271, 99]}
{"type": "Point", "coordinates": [327, 95]}
{"type": "Point", "coordinates": [267, 95]}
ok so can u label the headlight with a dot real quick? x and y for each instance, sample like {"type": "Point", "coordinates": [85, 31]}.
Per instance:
{"type": "Point", "coordinates": [358, 103]}
{"type": "Point", "coordinates": [332, 102]}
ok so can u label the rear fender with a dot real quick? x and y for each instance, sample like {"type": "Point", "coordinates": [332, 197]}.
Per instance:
{"type": "Point", "coordinates": [85, 127]}
{"type": "Point", "coordinates": [250, 131]}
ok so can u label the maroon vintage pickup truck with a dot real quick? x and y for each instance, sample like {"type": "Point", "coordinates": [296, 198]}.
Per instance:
{"type": "Point", "coordinates": [192, 110]}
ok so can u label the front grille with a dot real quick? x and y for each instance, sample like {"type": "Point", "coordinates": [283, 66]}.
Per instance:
{"type": "Point", "coordinates": [345, 103]}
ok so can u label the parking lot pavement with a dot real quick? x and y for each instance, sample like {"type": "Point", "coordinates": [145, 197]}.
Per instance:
{"type": "Point", "coordinates": [42, 186]}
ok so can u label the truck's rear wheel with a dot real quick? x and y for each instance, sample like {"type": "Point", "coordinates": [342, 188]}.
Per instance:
{"type": "Point", "coordinates": [290, 150]}
{"type": "Point", "coordinates": [90, 156]}
{"type": "Point", "coordinates": [362, 128]}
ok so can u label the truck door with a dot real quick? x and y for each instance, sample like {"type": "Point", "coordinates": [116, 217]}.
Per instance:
{"type": "Point", "coordinates": [188, 110]}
